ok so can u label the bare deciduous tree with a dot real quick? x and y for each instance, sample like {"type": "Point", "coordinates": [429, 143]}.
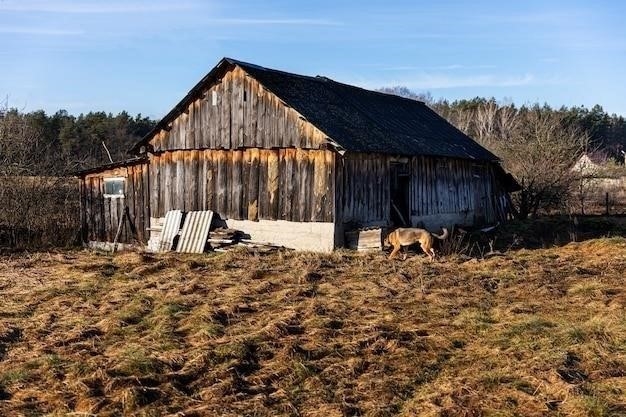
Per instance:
{"type": "Point", "coordinates": [39, 204]}
{"type": "Point", "coordinates": [539, 151]}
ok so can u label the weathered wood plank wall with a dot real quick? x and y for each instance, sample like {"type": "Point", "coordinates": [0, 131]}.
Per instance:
{"type": "Point", "coordinates": [101, 214]}
{"type": "Point", "coordinates": [437, 186]}
{"type": "Point", "coordinates": [238, 113]}
{"type": "Point", "coordinates": [245, 184]}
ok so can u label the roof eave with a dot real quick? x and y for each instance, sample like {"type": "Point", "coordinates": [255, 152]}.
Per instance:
{"type": "Point", "coordinates": [113, 165]}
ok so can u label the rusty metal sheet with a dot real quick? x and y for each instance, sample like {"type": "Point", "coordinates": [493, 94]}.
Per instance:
{"type": "Point", "coordinates": [195, 232]}
{"type": "Point", "coordinates": [171, 226]}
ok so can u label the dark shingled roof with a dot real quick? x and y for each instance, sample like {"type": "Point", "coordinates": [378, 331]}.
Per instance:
{"type": "Point", "coordinates": [356, 119]}
{"type": "Point", "coordinates": [362, 120]}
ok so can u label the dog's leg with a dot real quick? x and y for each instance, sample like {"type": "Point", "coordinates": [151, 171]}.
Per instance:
{"type": "Point", "coordinates": [432, 250]}
{"type": "Point", "coordinates": [427, 251]}
{"type": "Point", "coordinates": [394, 252]}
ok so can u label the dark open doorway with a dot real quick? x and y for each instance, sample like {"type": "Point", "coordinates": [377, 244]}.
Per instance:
{"type": "Point", "coordinates": [400, 185]}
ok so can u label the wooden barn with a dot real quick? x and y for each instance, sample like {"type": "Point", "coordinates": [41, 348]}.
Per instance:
{"type": "Point", "coordinates": [297, 161]}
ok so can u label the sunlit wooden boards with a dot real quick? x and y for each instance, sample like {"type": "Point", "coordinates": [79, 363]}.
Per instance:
{"type": "Point", "coordinates": [246, 184]}
{"type": "Point", "coordinates": [195, 232]}
{"type": "Point", "coordinates": [236, 113]}
{"type": "Point", "coordinates": [171, 227]}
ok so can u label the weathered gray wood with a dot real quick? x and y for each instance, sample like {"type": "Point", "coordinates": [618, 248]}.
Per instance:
{"type": "Point", "coordinates": [254, 185]}
{"type": "Point", "coordinates": [263, 193]}
{"type": "Point", "coordinates": [221, 184]}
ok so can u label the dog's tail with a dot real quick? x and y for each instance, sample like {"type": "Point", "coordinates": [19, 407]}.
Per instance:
{"type": "Point", "coordinates": [442, 236]}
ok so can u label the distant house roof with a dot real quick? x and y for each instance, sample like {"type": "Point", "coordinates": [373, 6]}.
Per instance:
{"type": "Point", "coordinates": [356, 119]}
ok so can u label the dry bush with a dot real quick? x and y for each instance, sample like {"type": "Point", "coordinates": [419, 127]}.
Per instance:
{"type": "Point", "coordinates": [537, 146]}
{"type": "Point", "coordinates": [39, 205]}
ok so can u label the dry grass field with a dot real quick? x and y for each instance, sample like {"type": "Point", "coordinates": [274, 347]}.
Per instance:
{"type": "Point", "coordinates": [532, 333]}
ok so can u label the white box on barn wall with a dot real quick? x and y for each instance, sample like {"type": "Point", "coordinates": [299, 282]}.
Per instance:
{"type": "Point", "coordinates": [365, 240]}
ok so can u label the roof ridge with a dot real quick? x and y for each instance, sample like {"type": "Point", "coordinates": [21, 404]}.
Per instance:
{"type": "Point", "coordinates": [318, 78]}
{"type": "Point", "coordinates": [262, 68]}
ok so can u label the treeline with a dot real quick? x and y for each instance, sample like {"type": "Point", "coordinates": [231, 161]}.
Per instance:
{"type": "Point", "coordinates": [606, 132]}
{"type": "Point", "coordinates": [66, 142]}
{"type": "Point", "coordinates": [76, 142]}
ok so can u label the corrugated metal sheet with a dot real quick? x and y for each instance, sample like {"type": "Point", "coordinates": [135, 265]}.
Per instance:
{"type": "Point", "coordinates": [171, 226]}
{"type": "Point", "coordinates": [195, 232]}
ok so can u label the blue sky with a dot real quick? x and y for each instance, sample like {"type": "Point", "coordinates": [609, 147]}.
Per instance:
{"type": "Point", "coordinates": [143, 56]}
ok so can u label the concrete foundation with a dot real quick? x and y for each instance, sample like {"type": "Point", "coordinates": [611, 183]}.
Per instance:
{"type": "Point", "coordinates": [311, 236]}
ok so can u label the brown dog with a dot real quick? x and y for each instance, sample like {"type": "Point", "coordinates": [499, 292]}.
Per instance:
{"type": "Point", "coordinates": [408, 236]}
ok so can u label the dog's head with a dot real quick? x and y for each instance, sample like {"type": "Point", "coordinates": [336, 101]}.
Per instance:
{"type": "Point", "coordinates": [387, 240]}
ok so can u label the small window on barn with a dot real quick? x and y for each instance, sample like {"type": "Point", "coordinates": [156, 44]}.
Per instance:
{"type": "Point", "coordinates": [114, 187]}
{"type": "Point", "coordinates": [214, 98]}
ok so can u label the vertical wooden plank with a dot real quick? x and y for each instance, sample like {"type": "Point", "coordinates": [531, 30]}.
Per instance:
{"type": "Point", "coordinates": [298, 202]}
{"type": "Point", "coordinates": [238, 112]}
{"type": "Point", "coordinates": [225, 115]}
{"type": "Point", "coordinates": [274, 162]}
{"type": "Point", "coordinates": [184, 131]}
{"type": "Point", "coordinates": [138, 203]}
{"type": "Point", "coordinates": [167, 183]}
{"type": "Point", "coordinates": [213, 117]}
{"type": "Point", "coordinates": [179, 187]}
{"type": "Point", "coordinates": [85, 210]}
{"type": "Point", "coordinates": [245, 174]}
{"type": "Point", "coordinates": [253, 185]}
{"type": "Point", "coordinates": [339, 189]}
{"type": "Point", "coordinates": [109, 218]}
{"type": "Point", "coordinates": [237, 186]}
{"type": "Point", "coordinates": [222, 183]}
{"type": "Point", "coordinates": [330, 180]}
{"type": "Point", "coordinates": [348, 187]}
{"type": "Point", "coordinates": [210, 179]}
{"type": "Point", "coordinates": [250, 117]}
{"type": "Point", "coordinates": [201, 198]}
{"type": "Point", "coordinates": [94, 221]}
{"type": "Point", "coordinates": [98, 206]}
{"type": "Point", "coordinates": [320, 186]}
{"type": "Point", "coordinates": [275, 139]}
{"type": "Point", "coordinates": [194, 186]}
{"type": "Point", "coordinates": [261, 130]}
{"type": "Point", "coordinates": [155, 189]}
{"type": "Point", "coordinates": [129, 201]}
{"type": "Point", "coordinates": [197, 123]}
{"type": "Point", "coordinates": [287, 180]}
{"type": "Point", "coordinates": [92, 213]}
{"type": "Point", "coordinates": [263, 189]}
{"type": "Point", "coordinates": [190, 142]}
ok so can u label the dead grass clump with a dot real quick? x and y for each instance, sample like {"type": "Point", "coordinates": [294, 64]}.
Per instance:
{"type": "Point", "coordinates": [533, 333]}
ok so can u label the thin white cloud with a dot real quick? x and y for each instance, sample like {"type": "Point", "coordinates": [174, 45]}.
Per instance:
{"type": "Point", "coordinates": [440, 67]}
{"type": "Point", "coordinates": [271, 22]}
{"type": "Point", "coordinates": [92, 7]}
{"type": "Point", "coordinates": [444, 81]}
{"type": "Point", "coordinates": [18, 30]}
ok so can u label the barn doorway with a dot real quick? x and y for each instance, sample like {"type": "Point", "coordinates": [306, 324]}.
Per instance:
{"type": "Point", "coordinates": [400, 179]}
